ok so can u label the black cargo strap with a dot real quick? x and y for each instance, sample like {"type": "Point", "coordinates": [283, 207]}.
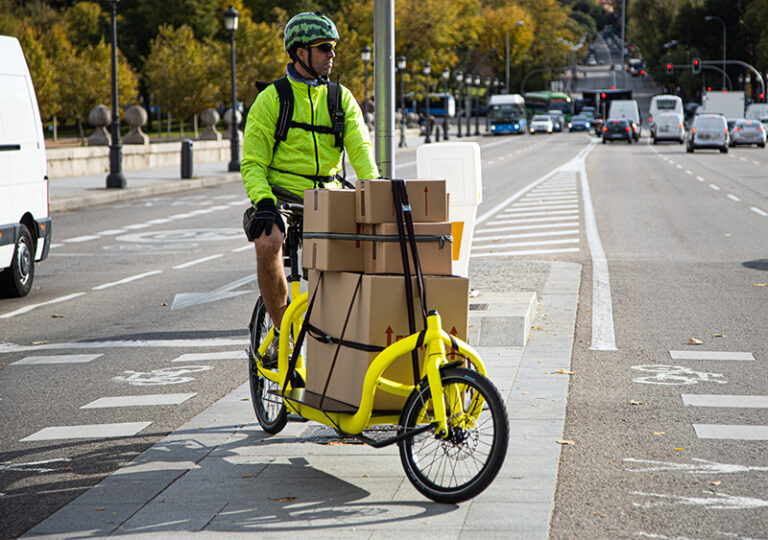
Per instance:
{"type": "Point", "coordinates": [316, 333]}
{"type": "Point", "coordinates": [405, 231]}
{"type": "Point", "coordinates": [290, 375]}
{"type": "Point", "coordinates": [441, 239]}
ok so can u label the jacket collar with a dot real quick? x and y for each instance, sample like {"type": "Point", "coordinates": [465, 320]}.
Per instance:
{"type": "Point", "coordinates": [293, 74]}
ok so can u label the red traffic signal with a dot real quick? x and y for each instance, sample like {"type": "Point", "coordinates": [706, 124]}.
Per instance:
{"type": "Point", "coordinates": [696, 65]}
{"type": "Point", "coordinates": [709, 88]}
{"type": "Point", "coordinates": [669, 68]}
{"type": "Point", "coordinates": [613, 88]}
{"type": "Point", "coordinates": [761, 96]}
{"type": "Point", "coordinates": [602, 95]}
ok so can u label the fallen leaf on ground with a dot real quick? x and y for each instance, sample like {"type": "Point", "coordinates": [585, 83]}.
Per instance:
{"type": "Point", "coordinates": [534, 404]}
{"type": "Point", "coordinates": [247, 476]}
{"type": "Point", "coordinates": [659, 432]}
{"type": "Point", "coordinates": [716, 483]}
{"type": "Point", "coordinates": [43, 342]}
{"type": "Point", "coordinates": [566, 442]}
{"type": "Point", "coordinates": [99, 508]}
{"type": "Point", "coordinates": [564, 372]}
{"type": "Point", "coordinates": [57, 316]}
{"type": "Point", "coordinates": [761, 284]}
{"type": "Point", "coordinates": [287, 499]}
{"type": "Point", "coordinates": [719, 335]}
{"type": "Point", "coordinates": [694, 341]}
{"type": "Point", "coordinates": [680, 449]}
{"type": "Point", "coordinates": [635, 402]}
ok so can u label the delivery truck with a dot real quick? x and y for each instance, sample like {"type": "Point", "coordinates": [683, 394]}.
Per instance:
{"type": "Point", "coordinates": [729, 104]}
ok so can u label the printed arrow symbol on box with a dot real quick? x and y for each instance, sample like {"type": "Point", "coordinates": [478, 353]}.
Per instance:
{"type": "Point", "coordinates": [183, 300]}
{"type": "Point", "coordinates": [389, 333]}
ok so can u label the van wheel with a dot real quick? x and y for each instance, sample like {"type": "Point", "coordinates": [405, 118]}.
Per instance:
{"type": "Point", "coordinates": [724, 150]}
{"type": "Point", "coordinates": [16, 280]}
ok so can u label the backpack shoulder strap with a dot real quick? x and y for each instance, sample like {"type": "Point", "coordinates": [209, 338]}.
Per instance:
{"type": "Point", "coordinates": [285, 96]}
{"type": "Point", "coordinates": [336, 112]}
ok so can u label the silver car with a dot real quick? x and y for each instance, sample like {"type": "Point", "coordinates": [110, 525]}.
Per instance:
{"type": "Point", "coordinates": [541, 123]}
{"type": "Point", "coordinates": [708, 131]}
{"type": "Point", "coordinates": [748, 132]}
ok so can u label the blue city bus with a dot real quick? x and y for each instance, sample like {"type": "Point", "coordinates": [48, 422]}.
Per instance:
{"type": "Point", "coordinates": [437, 103]}
{"type": "Point", "coordinates": [506, 114]}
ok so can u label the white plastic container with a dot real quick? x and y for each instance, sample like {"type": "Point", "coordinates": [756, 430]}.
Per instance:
{"type": "Point", "coordinates": [459, 164]}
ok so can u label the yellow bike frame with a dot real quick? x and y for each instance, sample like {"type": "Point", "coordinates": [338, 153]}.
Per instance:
{"type": "Point", "coordinates": [435, 339]}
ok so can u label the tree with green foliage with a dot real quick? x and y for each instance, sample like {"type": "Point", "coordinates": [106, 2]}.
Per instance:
{"type": "Point", "coordinates": [182, 72]}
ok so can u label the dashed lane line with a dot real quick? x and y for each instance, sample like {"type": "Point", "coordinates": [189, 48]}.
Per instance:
{"type": "Point", "coordinates": [57, 359]}
{"type": "Point", "coordinates": [145, 400]}
{"type": "Point", "coordinates": [204, 357]}
{"type": "Point", "coordinates": [725, 401]}
{"type": "Point", "coordinates": [90, 431]}
{"type": "Point", "coordinates": [731, 431]}
{"type": "Point", "coordinates": [126, 280]}
{"type": "Point", "coordinates": [712, 355]}
{"type": "Point", "coordinates": [30, 307]}
{"type": "Point", "coordinates": [198, 261]}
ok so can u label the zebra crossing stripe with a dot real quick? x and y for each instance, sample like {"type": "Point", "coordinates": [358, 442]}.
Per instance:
{"type": "Point", "coordinates": [90, 431]}
{"type": "Point", "coordinates": [731, 431]}
{"type": "Point", "coordinates": [138, 401]}
{"type": "Point", "coordinates": [725, 400]}
{"type": "Point", "coordinates": [57, 359]}
{"type": "Point", "coordinates": [711, 355]}
{"type": "Point", "coordinates": [524, 252]}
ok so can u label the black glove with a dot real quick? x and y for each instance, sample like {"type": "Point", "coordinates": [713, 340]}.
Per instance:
{"type": "Point", "coordinates": [261, 219]}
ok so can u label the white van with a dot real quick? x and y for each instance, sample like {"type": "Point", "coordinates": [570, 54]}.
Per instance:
{"type": "Point", "coordinates": [756, 111]}
{"type": "Point", "coordinates": [668, 127]}
{"type": "Point", "coordinates": [627, 109]}
{"type": "Point", "coordinates": [664, 103]}
{"type": "Point", "coordinates": [25, 227]}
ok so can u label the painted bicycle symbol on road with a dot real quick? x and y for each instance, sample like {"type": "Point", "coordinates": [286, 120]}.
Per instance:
{"type": "Point", "coordinates": [675, 375]}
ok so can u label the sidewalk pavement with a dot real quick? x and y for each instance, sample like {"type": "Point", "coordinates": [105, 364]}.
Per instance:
{"type": "Point", "coordinates": [221, 476]}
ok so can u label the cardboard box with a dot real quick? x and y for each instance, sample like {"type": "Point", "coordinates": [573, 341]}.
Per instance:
{"type": "Point", "coordinates": [377, 316]}
{"type": "Point", "coordinates": [374, 202]}
{"type": "Point", "coordinates": [331, 211]}
{"type": "Point", "coordinates": [385, 257]}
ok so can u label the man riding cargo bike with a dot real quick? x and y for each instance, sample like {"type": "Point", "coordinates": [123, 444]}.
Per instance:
{"type": "Point", "coordinates": [448, 419]}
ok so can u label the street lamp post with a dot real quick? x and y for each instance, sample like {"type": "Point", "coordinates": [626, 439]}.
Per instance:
{"type": "Point", "coordinates": [477, 101]}
{"type": "Point", "coordinates": [488, 84]}
{"type": "Point", "coordinates": [468, 102]}
{"type": "Point", "coordinates": [427, 71]}
{"type": "Point", "coordinates": [710, 18]}
{"type": "Point", "coordinates": [115, 178]}
{"type": "Point", "coordinates": [230, 22]}
{"type": "Point", "coordinates": [459, 106]}
{"type": "Point", "coordinates": [518, 23]}
{"type": "Point", "coordinates": [446, 76]}
{"type": "Point", "coordinates": [401, 68]}
{"type": "Point", "coordinates": [365, 54]}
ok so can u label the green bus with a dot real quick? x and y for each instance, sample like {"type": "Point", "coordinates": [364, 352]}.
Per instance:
{"type": "Point", "coordinates": [544, 101]}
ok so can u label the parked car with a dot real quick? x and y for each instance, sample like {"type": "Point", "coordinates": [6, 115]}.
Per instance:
{"type": "Point", "coordinates": [558, 120]}
{"type": "Point", "coordinates": [617, 129]}
{"type": "Point", "coordinates": [708, 131]}
{"type": "Point", "coordinates": [748, 132]}
{"type": "Point", "coordinates": [668, 127]}
{"type": "Point", "coordinates": [579, 122]}
{"type": "Point", "coordinates": [541, 123]}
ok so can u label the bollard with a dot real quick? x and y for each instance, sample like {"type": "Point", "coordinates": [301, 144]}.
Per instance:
{"type": "Point", "coordinates": [187, 159]}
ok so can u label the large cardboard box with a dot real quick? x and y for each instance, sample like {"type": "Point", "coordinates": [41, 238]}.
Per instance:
{"type": "Point", "coordinates": [374, 202]}
{"type": "Point", "coordinates": [373, 310]}
{"type": "Point", "coordinates": [331, 211]}
{"type": "Point", "coordinates": [385, 257]}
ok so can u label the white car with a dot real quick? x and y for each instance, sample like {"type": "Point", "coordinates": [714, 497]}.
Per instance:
{"type": "Point", "coordinates": [668, 127]}
{"type": "Point", "coordinates": [541, 123]}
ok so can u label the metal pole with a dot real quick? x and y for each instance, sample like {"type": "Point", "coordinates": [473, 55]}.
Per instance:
{"type": "Point", "coordinates": [427, 140]}
{"type": "Point", "coordinates": [365, 93]}
{"type": "Point", "coordinates": [234, 163]}
{"type": "Point", "coordinates": [115, 178]}
{"type": "Point", "coordinates": [445, 109]}
{"type": "Point", "coordinates": [384, 85]}
{"type": "Point", "coordinates": [722, 21]}
{"type": "Point", "coordinates": [403, 122]}
{"type": "Point", "coordinates": [459, 104]}
{"type": "Point", "coordinates": [507, 54]}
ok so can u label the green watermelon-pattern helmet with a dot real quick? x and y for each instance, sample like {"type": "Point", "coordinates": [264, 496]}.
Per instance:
{"type": "Point", "coordinates": [307, 27]}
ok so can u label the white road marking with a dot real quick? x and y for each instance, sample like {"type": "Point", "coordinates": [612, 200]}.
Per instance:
{"type": "Point", "coordinates": [6, 348]}
{"type": "Point", "coordinates": [731, 431]}
{"type": "Point", "coordinates": [516, 210]}
{"type": "Point", "coordinates": [522, 235]}
{"type": "Point", "coordinates": [160, 377]}
{"type": "Point", "coordinates": [675, 375]}
{"type": "Point", "coordinates": [159, 221]}
{"type": "Point", "coordinates": [495, 230]}
{"type": "Point", "coordinates": [183, 300]}
{"type": "Point", "coordinates": [79, 239]}
{"type": "Point", "coordinates": [702, 466]}
{"type": "Point", "coordinates": [198, 261]}
{"type": "Point", "coordinates": [524, 252]}
{"type": "Point", "coordinates": [244, 248]}
{"type": "Point", "coordinates": [227, 355]}
{"type": "Point", "coordinates": [111, 232]}
{"type": "Point", "coordinates": [182, 216]}
{"type": "Point", "coordinates": [711, 355]}
{"type": "Point", "coordinates": [32, 466]}
{"type": "Point", "coordinates": [725, 400]}
{"type": "Point", "coordinates": [700, 179]}
{"type": "Point", "coordinates": [529, 220]}
{"type": "Point", "coordinates": [528, 213]}
{"type": "Point", "coordinates": [755, 162]}
{"type": "Point", "coordinates": [90, 431]}
{"type": "Point", "coordinates": [57, 359]}
{"type": "Point", "coordinates": [126, 280]}
{"type": "Point", "coordinates": [679, 166]}
{"type": "Point", "coordinates": [527, 244]}
{"type": "Point", "coordinates": [538, 202]}
{"type": "Point", "coordinates": [715, 187]}
{"type": "Point", "coordinates": [147, 400]}
{"type": "Point", "coordinates": [733, 197]}
{"type": "Point", "coordinates": [715, 501]}
{"type": "Point", "coordinates": [758, 211]}
{"type": "Point", "coordinates": [30, 307]}
{"type": "Point", "coordinates": [138, 226]}
{"type": "Point", "coordinates": [688, 171]}
{"type": "Point", "coordinates": [743, 158]}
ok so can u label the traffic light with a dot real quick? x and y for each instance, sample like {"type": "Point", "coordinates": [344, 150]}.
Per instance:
{"type": "Point", "coordinates": [696, 65]}
{"type": "Point", "coordinates": [761, 97]}
{"type": "Point", "coordinates": [670, 69]}
{"type": "Point", "coordinates": [602, 95]}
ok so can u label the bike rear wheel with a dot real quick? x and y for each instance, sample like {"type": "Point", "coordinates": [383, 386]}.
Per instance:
{"type": "Point", "coordinates": [269, 408]}
{"type": "Point", "coordinates": [462, 465]}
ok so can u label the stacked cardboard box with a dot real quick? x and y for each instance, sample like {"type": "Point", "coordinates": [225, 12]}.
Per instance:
{"type": "Point", "coordinates": [355, 262]}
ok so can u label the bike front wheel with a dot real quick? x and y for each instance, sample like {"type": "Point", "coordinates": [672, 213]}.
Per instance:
{"type": "Point", "coordinates": [269, 408]}
{"type": "Point", "coordinates": [458, 467]}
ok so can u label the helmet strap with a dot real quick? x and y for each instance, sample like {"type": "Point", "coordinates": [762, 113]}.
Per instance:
{"type": "Point", "coordinates": [312, 72]}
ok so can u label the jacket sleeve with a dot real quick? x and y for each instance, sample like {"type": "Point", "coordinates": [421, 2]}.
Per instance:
{"type": "Point", "coordinates": [357, 141]}
{"type": "Point", "coordinates": [258, 144]}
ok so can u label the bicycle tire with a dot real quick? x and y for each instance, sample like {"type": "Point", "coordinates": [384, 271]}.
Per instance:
{"type": "Point", "coordinates": [269, 409]}
{"type": "Point", "coordinates": [456, 468]}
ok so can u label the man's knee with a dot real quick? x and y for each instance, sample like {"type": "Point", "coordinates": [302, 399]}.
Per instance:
{"type": "Point", "coordinates": [268, 246]}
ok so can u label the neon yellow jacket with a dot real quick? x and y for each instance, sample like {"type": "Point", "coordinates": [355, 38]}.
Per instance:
{"type": "Point", "coordinates": [303, 152]}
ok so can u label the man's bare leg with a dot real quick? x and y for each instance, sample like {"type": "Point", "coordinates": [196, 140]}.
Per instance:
{"type": "Point", "coordinates": [271, 274]}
